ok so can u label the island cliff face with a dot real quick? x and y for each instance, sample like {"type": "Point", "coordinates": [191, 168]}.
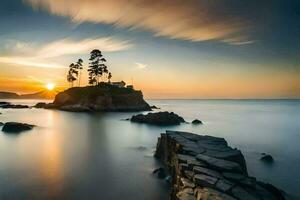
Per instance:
{"type": "Point", "coordinates": [206, 168]}
{"type": "Point", "coordinates": [100, 98]}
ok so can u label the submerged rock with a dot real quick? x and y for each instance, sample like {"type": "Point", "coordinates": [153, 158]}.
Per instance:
{"type": "Point", "coordinates": [196, 122]}
{"type": "Point", "coordinates": [267, 158]}
{"type": "Point", "coordinates": [15, 127]}
{"type": "Point", "coordinates": [159, 118]}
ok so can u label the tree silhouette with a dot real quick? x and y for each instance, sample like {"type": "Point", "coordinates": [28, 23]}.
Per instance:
{"type": "Point", "coordinates": [97, 68]}
{"type": "Point", "coordinates": [78, 67]}
{"type": "Point", "coordinates": [72, 74]}
{"type": "Point", "coordinates": [109, 76]}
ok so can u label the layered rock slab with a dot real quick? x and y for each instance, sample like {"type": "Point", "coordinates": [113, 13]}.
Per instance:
{"type": "Point", "coordinates": [206, 168]}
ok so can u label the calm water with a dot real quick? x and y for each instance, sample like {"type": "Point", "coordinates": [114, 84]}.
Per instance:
{"type": "Point", "coordinates": [82, 156]}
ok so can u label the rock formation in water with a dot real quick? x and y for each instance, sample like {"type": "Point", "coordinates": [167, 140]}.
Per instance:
{"type": "Point", "coordinates": [267, 158]}
{"type": "Point", "coordinates": [205, 167]}
{"type": "Point", "coordinates": [159, 118]}
{"type": "Point", "coordinates": [196, 122]}
{"type": "Point", "coordinates": [15, 127]}
{"type": "Point", "coordinates": [100, 98]}
{"type": "Point", "coordinates": [6, 105]}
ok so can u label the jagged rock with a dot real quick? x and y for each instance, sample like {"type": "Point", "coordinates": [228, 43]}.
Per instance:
{"type": "Point", "coordinates": [267, 158]}
{"type": "Point", "coordinates": [209, 172]}
{"type": "Point", "coordinates": [219, 164]}
{"type": "Point", "coordinates": [15, 127]}
{"type": "Point", "coordinates": [196, 122]}
{"type": "Point", "coordinates": [204, 180]}
{"type": "Point", "coordinates": [160, 118]}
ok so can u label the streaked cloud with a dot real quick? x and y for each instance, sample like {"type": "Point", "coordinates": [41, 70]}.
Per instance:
{"type": "Point", "coordinates": [41, 56]}
{"type": "Point", "coordinates": [192, 20]}
{"type": "Point", "coordinates": [72, 47]}
{"type": "Point", "coordinates": [140, 65]}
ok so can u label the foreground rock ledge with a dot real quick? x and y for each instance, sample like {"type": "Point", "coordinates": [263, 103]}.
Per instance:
{"type": "Point", "coordinates": [206, 168]}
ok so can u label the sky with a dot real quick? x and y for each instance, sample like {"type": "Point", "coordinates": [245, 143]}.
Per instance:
{"type": "Point", "coordinates": [191, 49]}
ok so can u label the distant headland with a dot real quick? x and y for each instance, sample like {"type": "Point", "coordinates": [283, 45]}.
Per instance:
{"type": "Point", "coordinates": [38, 95]}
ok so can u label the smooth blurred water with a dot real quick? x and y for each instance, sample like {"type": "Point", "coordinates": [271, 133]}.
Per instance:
{"type": "Point", "coordinates": [93, 156]}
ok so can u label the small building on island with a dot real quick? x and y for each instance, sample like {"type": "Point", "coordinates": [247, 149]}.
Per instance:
{"type": "Point", "coordinates": [129, 86]}
{"type": "Point", "coordinates": [120, 84]}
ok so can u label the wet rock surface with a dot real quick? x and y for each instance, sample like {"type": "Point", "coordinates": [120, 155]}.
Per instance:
{"type": "Point", "coordinates": [206, 168]}
{"type": "Point", "coordinates": [15, 127]}
{"type": "Point", "coordinates": [159, 118]}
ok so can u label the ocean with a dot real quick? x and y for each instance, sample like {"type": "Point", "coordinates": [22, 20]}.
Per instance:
{"type": "Point", "coordinates": [103, 156]}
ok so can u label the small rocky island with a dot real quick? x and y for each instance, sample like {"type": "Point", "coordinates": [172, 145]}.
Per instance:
{"type": "Point", "coordinates": [103, 97]}
{"type": "Point", "coordinates": [206, 168]}
{"type": "Point", "coordinates": [159, 118]}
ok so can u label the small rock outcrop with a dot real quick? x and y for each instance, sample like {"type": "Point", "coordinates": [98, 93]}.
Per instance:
{"type": "Point", "coordinates": [159, 118]}
{"type": "Point", "coordinates": [40, 105]}
{"type": "Point", "coordinates": [267, 158]}
{"type": "Point", "coordinates": [103, 97]}
{"type": "Point", "coordinates": [196, 122]}
{"type": "Point", "coordinates": [206, 168]}
{"type": "Point", "coordinates": [15, 127]}
{"type": "Point", "coordinates": [154, 107]}
{"type": "Point", "coordinates": [1, 123]}
{"type": "Point", "coordinates": [6, 105]}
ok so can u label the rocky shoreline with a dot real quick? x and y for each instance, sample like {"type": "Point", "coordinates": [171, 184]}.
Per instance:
{"type": "Point", "coordinates": [206, 168]}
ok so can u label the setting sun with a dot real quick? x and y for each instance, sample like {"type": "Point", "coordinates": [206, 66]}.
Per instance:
{"type": "Point", "coordinates": [50, 86]}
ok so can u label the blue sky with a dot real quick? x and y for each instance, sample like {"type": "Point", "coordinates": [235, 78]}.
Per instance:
{"type": "Point", "coordinates": [171, 49]}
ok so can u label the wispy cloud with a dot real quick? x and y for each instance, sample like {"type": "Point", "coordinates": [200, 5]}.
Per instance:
{"type": "Point", "coordinates": [140, 65]}
{"type": "Point", "coordinates": [41, 56]}
{"type": "Point", "coordinates": [71, 47]}
{"type": "Point", "coordinates": [188, 20]}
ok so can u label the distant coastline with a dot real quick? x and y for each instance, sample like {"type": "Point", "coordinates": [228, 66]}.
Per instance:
{"type": "Point", "coordinates": [38, 95]}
